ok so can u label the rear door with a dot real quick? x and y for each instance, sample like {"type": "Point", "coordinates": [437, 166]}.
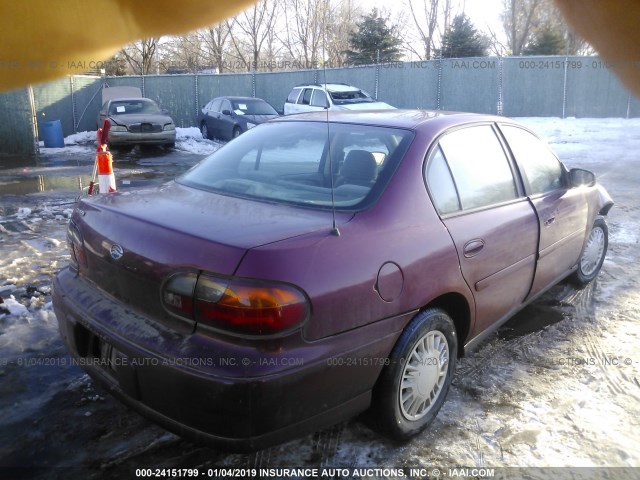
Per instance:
{"type": "Point", "coordinates": [290, 105]}
{"type": "Point", "coordinates": [493, 225]}
{"type": "Point", "coordinates": [562, 211]}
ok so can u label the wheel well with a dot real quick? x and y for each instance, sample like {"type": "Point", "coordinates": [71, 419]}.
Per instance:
{"type": "Point", "coordinates": [605, 210]}
{"type": "Point", "coordinates": [457, 308]}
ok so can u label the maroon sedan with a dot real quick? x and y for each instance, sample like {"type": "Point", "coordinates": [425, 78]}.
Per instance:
{"type": "Point", "coordinates": [318, 266]}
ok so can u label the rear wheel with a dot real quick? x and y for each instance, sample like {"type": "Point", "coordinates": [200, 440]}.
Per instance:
{"type": "Point", "coordinates": [413, 387]}
{"type": "Point", "coordinates": [594, 252]}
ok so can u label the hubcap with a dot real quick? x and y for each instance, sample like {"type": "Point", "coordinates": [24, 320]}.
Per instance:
{"type": "Point", "coordinates": [593, 252]}
{"type": "Point", "coordinates": [205, 133]}
{"type": "Point", "coordinates": [424, 374]}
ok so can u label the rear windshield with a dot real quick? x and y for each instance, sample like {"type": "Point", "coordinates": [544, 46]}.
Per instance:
{"type": "Point", "coordinates": [289, 162]}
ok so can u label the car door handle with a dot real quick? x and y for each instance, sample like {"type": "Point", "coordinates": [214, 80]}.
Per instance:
{"type": "Point", "coordinates": [473, 247]}
{"type": "Point", "coordinates": [549, 221]}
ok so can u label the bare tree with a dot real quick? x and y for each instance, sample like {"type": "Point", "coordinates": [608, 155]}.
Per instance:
{"type": "Point", "coordinates": [306, 22]}
{"type": "Point", "coordinates": [184, 53]}
{"type": "Point", "coordinates": [140, 55]}
{"type": "Point", "coordinates": [425, 15]}
{"type": "Point", "coordinates": [214, 41]}
{"type": "Point", "coordinates": [431, 19]}
{"type": "Point", "coordinates": [250, 29]}
{"type": "Point", "coordinates": [340, 23]}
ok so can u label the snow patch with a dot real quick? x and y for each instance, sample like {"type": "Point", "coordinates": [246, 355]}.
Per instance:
{"type": "Point", "coordinates": [14, 307]}
{"type": "Point", "coordinates": [187, 139]}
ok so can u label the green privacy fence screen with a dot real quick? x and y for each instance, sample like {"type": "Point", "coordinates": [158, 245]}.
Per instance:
{"type": "Point", "coordinates": [556, 86]}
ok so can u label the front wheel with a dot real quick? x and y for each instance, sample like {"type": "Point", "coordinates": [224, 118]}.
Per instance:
{"type": "Point", "coordinates": [593, 254]}
{"type": "Point", "coordinates": [413, 387]}
{"type": "Point", "coordinates": [205, 131]}
{"type": "Point", "coordinates": [236, 132]}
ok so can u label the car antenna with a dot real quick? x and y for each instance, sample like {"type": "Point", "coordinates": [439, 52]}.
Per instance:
{"type": "Point", "coordinates": [334, 228]}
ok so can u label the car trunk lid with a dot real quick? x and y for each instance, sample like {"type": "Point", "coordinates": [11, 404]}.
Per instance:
{"type": "Point", "coordinates": [134, 241]}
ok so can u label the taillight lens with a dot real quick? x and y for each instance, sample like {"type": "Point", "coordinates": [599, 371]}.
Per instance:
{"type": "Point", "coordinates": [236, 305]}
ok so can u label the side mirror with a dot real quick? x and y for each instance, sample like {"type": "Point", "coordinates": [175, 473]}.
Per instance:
{"type": "Point", "coordinates": [226, 112]}
{"type": "Point", "coordinates": [165, 111]}
{"type": "Point", "coordinates": [580, 178]}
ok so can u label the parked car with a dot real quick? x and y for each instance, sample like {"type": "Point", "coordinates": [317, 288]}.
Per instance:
{"type": "Point", "coordinates": [137, 121]}
{"type": "Point", "coordinates": [228, 117]}
{"type": "Point", "coordinates": [330, 96]}
{"type": "Point", "coordinates": [281, 286]}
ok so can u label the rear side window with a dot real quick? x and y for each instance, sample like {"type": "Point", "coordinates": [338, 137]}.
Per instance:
{"type": "Point", "coordinates": [293, 96]}
{"type": "Point", "coordinates": [479, 166]}
{"type": "Point", "coordinates": [441, 186]}
{"type": "Point", "coordinates": [539, 166]}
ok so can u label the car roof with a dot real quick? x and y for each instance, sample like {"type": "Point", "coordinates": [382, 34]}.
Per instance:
{"type": "Point", "coordinates": [331, 87]}
{"type": "Point", "coordinates": [397, 118]}
{"type": "Point", "coordinates": [128, 99]}
{"type": "Point", "coordinates": [240, 98]}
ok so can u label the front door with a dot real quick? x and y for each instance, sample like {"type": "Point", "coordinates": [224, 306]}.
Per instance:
{"type": "Point", "coordinates": [562, 211]}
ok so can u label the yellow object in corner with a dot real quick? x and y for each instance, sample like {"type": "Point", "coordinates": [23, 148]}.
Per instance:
{"type": "Point", "coordinates": [44, 39]}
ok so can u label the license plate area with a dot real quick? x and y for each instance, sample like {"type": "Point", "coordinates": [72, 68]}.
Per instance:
{"type": "Point", "coordinates": [104, 355]}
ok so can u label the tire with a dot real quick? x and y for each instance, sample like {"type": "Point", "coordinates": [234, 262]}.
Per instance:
{"type": "Point", "coordinates": [171, 145]}
{"type": "Point", "coordinates": [413, 387]}
{"type": "Point", "coordinates": [593, 254]}
{"type": "Point", "coordinates": [236, 132]}
{"type": "Point", "coordinates": [205, 131]}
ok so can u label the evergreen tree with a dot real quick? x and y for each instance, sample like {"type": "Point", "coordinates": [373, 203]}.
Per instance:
{"type": "Point", "coordinates": [547, 41]}
{"type": "Point", "coordinates": [462, 40]}
{"type": "Point", "coordinates": [373, 41]}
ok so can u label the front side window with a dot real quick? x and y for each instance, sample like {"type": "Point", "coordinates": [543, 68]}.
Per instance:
{"type": "Point", "coordinates": [306, 96]}
{"type": "Point", "coordinates": [289, 162]}
{"type": "Point", "coordinates": [538, 164]}
{"type": "Point", "coordinates": [226, 105]}
{"type": "Point", "coordinates": [319, 99]}
{"type": "Point", "coordinates": [480, 167]}
{"type": "Point", "coordinates": [215, 105]}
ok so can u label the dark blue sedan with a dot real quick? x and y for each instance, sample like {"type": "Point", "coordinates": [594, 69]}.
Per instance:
{"type": "Point", "coordinates": [227, 117]}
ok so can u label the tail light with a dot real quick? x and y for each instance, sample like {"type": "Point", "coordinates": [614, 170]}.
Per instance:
{"type": "Point", "coordinates": [236, 305]}
{"type": "Point", "coordinates": [76, 247]}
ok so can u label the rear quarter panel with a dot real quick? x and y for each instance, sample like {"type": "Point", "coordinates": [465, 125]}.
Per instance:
{"type": "Point", "coordinates": [339, 273]}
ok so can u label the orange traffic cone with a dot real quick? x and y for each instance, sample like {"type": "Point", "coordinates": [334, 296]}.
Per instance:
{"type": "Point", "coordinates": [104, 163]}
{"type": "Point", "coordinates": [106, 178]}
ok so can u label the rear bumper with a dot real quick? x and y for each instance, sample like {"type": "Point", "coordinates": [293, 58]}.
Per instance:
{"type": "Point", "coordinates": [237, 396]}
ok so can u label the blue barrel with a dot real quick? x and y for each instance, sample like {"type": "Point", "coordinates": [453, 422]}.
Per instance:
{"type": "Point", "coordinates": [51, 134]}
